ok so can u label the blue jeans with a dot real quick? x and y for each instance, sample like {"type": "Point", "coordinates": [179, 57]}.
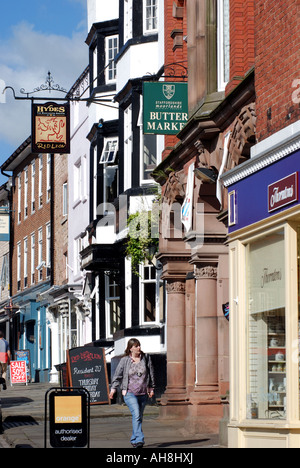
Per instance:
{"type": "Point", "coordinates": [136, 405]}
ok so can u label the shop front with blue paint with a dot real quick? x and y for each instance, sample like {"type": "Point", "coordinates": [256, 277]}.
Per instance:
{"type": "Point", "coordinates": [34, 332]}
{"type": "Point", "coordinates": [264, 244]}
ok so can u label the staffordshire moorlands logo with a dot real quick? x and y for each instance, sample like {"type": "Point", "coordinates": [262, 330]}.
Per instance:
{"type": "Point", "coordinates": [169, 91]}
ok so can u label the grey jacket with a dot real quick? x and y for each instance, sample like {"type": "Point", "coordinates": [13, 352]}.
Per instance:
{"type": "Point", "coordinates": [121, 375]}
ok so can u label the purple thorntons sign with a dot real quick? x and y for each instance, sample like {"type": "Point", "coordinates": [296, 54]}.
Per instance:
{"type": "Point", "coordinates": [283, 192]}
{"type": "Point", "coordinates": [264, 193]}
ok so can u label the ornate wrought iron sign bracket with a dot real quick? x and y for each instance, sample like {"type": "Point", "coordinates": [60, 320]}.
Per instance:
{"type": "Point", "coordinates": [50, 86]}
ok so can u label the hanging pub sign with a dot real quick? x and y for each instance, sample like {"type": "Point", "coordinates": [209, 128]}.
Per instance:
{"type": "Point", "coordinates": [50, 128]}
{"type": "Point", "coordinates": [165, 107]}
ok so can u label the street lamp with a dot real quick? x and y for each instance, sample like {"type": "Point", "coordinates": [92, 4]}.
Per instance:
{"type": "Point", "coordinates": [11, 309]}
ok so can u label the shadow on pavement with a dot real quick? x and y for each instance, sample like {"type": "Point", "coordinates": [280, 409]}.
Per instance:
{"type": "Point", "coordinates": [9, 402]}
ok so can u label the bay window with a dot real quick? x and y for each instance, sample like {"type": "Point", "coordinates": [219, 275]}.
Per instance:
{"type": "Point", "coordinates": [266, 361]}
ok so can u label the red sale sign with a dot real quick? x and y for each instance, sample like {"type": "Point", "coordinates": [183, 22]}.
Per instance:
{"type": "Point", "coordinates": [18, 372]}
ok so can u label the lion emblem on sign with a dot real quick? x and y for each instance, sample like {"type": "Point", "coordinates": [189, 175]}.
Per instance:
{"type": "Point", "coordinates": [169, 91]}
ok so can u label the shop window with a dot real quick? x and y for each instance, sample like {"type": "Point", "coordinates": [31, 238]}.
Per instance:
{"type": "Point", "coordinates": [266, 338]}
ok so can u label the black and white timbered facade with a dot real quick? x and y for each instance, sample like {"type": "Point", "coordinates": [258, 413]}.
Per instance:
{"type": "Point", "coordinates": [123, 53]}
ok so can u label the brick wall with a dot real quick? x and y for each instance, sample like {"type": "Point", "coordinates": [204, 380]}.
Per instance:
{"type": "Point", "coordinates": [277, 64]}
{"type": "Point", "coordinates": [175, 50]}
{"type": "Point", "coordinates": [26, 226]}
{"type": "Point", "coordinates": [60, 222]}
{"type": "Point", "coordinates": [241, 40]}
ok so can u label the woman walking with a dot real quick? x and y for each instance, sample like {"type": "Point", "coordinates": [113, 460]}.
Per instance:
{"type": "Point", "coordinates": [135, 376]}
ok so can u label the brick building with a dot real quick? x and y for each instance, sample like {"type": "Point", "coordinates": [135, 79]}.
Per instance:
{"type": "Point", "coordinates": [264, 242]}
{"type": "Point", "coordinates": [4, 259]}
{"type": "Point", "coordinates": [218, 39]}
{"type": "Point", "coordinates": [31, 253]}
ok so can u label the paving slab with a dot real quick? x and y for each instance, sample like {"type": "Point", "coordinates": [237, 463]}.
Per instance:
{"type": "Point", "coordinates": [23, 413]}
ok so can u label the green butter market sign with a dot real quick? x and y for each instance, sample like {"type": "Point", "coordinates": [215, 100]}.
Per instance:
{"type": "Point", "coordinates": [165, 107]}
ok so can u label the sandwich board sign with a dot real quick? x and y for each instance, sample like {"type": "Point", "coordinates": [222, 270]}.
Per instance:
{"type": "Point", "coordinates": [86, 367]}
{"type": "Point", "coordinates": [18, 372]}
{"type": "Point", "coordinates": [69, 417]}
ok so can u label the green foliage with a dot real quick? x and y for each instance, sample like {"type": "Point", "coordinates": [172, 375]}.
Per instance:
{"type": "Point", "coordinates": [142, 239]}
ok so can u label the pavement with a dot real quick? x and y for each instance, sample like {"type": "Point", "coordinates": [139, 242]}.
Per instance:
{"type": "Point", "coordinates": [23, 415]}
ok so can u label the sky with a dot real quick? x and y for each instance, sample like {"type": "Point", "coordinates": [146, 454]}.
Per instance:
{"type": "Point", "coordinates": [37, 36]}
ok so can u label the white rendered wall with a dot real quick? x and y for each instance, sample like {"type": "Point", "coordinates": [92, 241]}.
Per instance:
{"type": "Point", "coordinates": [101, 10]}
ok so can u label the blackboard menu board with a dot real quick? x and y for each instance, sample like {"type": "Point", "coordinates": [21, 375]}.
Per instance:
{"type": "Point", "coordinates": [87, 368]}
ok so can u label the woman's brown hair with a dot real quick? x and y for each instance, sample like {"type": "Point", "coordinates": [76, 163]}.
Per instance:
{"type": "Point", "coordinates": [132, 342]}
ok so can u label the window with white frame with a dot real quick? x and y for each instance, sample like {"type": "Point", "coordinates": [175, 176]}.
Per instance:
{"type": "Point", "coordinates": [150, 16]}
{"type": "Point", "coordinates": [223, 43]}
{"type": "Point", "coordinates": [95, 67]}
{"type": "Point", "coordinates": [149, 294]}
{"type": "Point", "coordinates": [78, 247]}
{"type": "Point", "coordinates": [110, 150]}
{"type": "Point", "coordinates": [48, 250]}
{"type": "Point", "coordinates": [19, 255]}
{"type": "Point", "coordinates": [111, 50]}
{"type": "Point", "coordinates": [25, 262]}
{"type": "Point", "coordinates": [112, 299]}
{"type": "Point", "coordinates": [26, 192]}
{"type": "Point", "coordinates": [73, 330]}
{"type": "Point", "coordinates": [32, 258]}
{"type": "Point", "coordinates": [77, 181]}
{"type": "Point", "coordinates": [95, 181]}
{"type": "Point", "coordinates": [33, 187]}
{"type": "Point", "coordinates": [19, 198]}
{"type": "Point", "coordinates": [148, 150]}
{"type": "Point", "coordinates": [127, 20]}
{"type": "Point", "coordinates": [40, 181]}
{"type": "Point", "coordinates": [40, 254]}
{"type": "Point", "coordinates": [110, 170]}
{"type": "Point", "coordinates": [127, 147]}
{"type": "Point", "coordinates": [4, 273]}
